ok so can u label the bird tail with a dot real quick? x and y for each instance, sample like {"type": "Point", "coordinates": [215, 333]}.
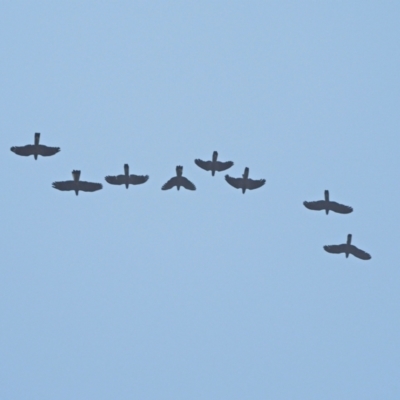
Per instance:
{"type": "Point", "coordinates": [76, 175]}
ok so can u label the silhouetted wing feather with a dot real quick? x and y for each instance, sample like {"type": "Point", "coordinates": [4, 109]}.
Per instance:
{"type": "Point", "coordinates": [89, 186]}
{"type": "Point", "coordinates": [359, 253]}
{"type": "Point", "coordinates": [235, 182]}
{"type": "Point", "coordinates": [335, 248]}
{"type": "Point", "coordinates": [138, 179]}
{"type": "Point", "coordinates": [64, 185]}
{"type": "Point", "coordinates": [187, 184]}
{"type": "Point", "coordinates": [23, 150]}
{"type": "Point", "coordinates": [203, 164]}
{"type": "Point", "coordinates": [222, 166]}
{"type": "Point", "coordinates": [340, 208]}
{"type": "Point", "coordinates": [255, 184]}
{"type": "Point", "coordinates": [46, 151]}
{"type": "Point", "coordinates": [315, 205]}
{"type": "Point", "coordinates": [170, 184]}
{"type": "Point", "coordinates": [115, 180]}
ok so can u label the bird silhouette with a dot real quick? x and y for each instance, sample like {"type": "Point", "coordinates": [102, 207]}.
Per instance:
{"type": "Point", "coordinates": [347, 248]}
{"type": "Point", "coordinates": [77, 185]}
{"type": "Point", "coordinates": [127, 179]}
{"type": "Point", "coordinates": [245, 182]}
{"type": "Point", "coordinates": [35, 149]}
{"type": "Point", "coordinates": [179, 181]}
{"type": "Point", "coordinates": [213, 165]}
{"type": "Point", "coordinates": [328, 205]}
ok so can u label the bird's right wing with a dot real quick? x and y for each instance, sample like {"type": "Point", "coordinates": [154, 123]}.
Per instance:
{"type": "Point", "coordinates": [235, 182]}
{"type": "Point", "coordinates": [222, 166]}
{"type": "Point", "coordinates": [359, 253]}
{"type": "Point", "coordinates": [315, 205]}
{"type": "Point", "coordinates": [89, 186]}
{"type": "Point", "coordinates": [115, 180]}
{"type": "Point", "coordinates": [64, 185]}
{"type": "Point", "coordinates": [335, 248]}
{"type": "Point", "coordinates": [340, 208]}
{"type": "Point", "coordinates": [255, 184]}
{"type": "Point", "coordinates": [170, 184]}
{"type": "Point", "coordinates": [203, 164]}
{"type": "Point", "coordinates": [187, 184]}
{"type": "Point", "coordinates": [46, 151]}
{"type": "Point", "coordinates": [138, 179]}
{"type": "Point", "coordinates": [27, 150]}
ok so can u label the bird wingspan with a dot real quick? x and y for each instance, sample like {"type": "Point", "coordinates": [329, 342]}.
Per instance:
{"type": "Point", "coordinates": [335, 248]}
{"type": "Point", "coordinates": [46, 151]}
{"type": "Point", "coordinates": [64, 185]}
{"type": "Point", "coordinates": [255, 184]}
{"type": "Point", "coordinates": [222, 166]}
{"type": "Point", "coordinates": [115, 180]}
{"type": "Point", "coordinates": [187, 184]}
{"type": "Point", "coordinates": [235, 182]}
{"type": "Point", "coordinates": [203, 164]}
{"type": "Point", "coordinates": [27, 150]}
{"type": "Point", "coordinates": [315, 205]}
{"type": "Point", "coordinates": [89, 186]}
{"type": "Point", "coordinates": [170, 184]}
{"type": "Point", "coordinates": [359, 253]}
{"type": "Point", "coordinates": [138, 179]}
{"type": "Point", "coordinates": [340, 208]}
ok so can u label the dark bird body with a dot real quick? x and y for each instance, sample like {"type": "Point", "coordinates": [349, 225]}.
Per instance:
{"type": "Point", "coordinates": [179, 181]}
{"type": "Point", "coordinates": [127, 179]}
{"type": "Point", "coordinates": [214, 164]}
{"type": "Point", "coordinates": [35, 149]}
{"type": "Point", "coordinates": [348, 248]}
{"type": "Point", "coordinates": [245, 182]}
{"type": "Point", "coordinates": [328, 205]}
{"type": "Point", "coordinates": [76, 185]}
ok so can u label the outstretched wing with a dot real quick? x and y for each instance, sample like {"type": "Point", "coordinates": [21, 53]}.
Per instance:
{"type": "Point", "coordinates": [235, 182]}
{"type": "Point", "coordinates": [315, 205]}
{"type": "Point", "coordinates": [46, 151]}
{"type": "Point", "coordinates": [203, 164]}
{"type": "Point", "coordinates": [170, 184]}
{"type": "Point", "coordinates": [138, 179]}
{"type": "Point", "coordinates": [222, 166]}
{"type": "Point", "coordinates": [27, 150]}
{"type": "Point", "coordinates": [359, 253]}
{"type": "Point", "coordinates": [187, 184]}
{"type": "Point", "coordinates": [255, 184]}
{"type": "Point", "coordinates": [340, 208]}
{"type": "Point", "coordinates": [64, 185]}
{"type": "Point", "coordinates": [335, 248]}
{"type": "Point", "coordinates": [89, 186]}
{"type": "Point", "coordinates": [115, 180]}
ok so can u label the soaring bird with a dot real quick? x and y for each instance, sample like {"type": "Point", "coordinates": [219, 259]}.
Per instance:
{"type": "Point", "coordinates": [77, 185]}
{"type": "Point", "coordinates": [213, 165]}
{"type": "Point", "coordinates": [127, 179]}
{"type": "Point", "coordinates": [347, 248]}
{"type": "Point", "coordinates": [327, 205]}
{"type": "Point", "coordinates": [179, 181]}
{"type": "Point", "coordinates": [35, 149]}
{"type": "Point", "coordinates": [245, 182]}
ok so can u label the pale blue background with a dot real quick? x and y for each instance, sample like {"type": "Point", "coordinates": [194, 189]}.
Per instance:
{"type": "Point", "coordinates": [144, 294]}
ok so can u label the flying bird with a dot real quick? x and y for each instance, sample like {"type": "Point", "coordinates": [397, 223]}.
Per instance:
{"type": "Point", "coordinates": [245, 182]}
{"type": "Point", "coordinates": [127, 179]}
{"type": "Point", "coordinates": [35, 149]}
{"type": "Point", "coordinates": [213, 165]}
{"type": "Point", "coordinates": [77, 185]}
{"type": "Point", "coordinates": [347, 248]}
{"type": "Point", "coordinates": [179, 181]}
{"type": "Point", "coordinates": [328, 205]}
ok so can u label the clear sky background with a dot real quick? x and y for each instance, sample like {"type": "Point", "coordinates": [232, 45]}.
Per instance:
{"type": "Point", "coordinates": [145, 294]}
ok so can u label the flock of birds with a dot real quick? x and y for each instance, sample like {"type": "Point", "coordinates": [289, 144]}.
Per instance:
{"type": "Point", "coordinates": [179, 181]}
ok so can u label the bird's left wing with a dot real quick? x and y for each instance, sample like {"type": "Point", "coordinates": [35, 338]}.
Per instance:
{"type": "Point", "coordinates": [64, 185]}
{"type": "Point", "coordinates": [255, 184]}
{"type": "Point", "coordinates": [222, 166]}
{"type": "Point", "coordinates": [235, 182]}
{"type": "Point", "coordinates": [27, 150]}
{"type": "Point", "coordinates": [340, 208]}
{"type": "Point", "coordinates": [359, 253]}
{"type": "Point", "coordinates": [138, 179]}
{"type": "Point", "coordinates": [115, 180]}
{"type": "Point", "coordinates": [187, 184]}
{"type": "Point", "coordinates": [46, 151]}
{"type": "Point", "coordinates": [335, 248]}
{"type": "Point", "coordinates": [170, 184]}
{"type": "Point", "coordinates": [89, 186]}
{"type": "Point", "coordinates": [203, 164]}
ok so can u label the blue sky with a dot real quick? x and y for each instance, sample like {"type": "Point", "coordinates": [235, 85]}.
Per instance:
{"type": "Point", "coordinates": [209, 294]}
